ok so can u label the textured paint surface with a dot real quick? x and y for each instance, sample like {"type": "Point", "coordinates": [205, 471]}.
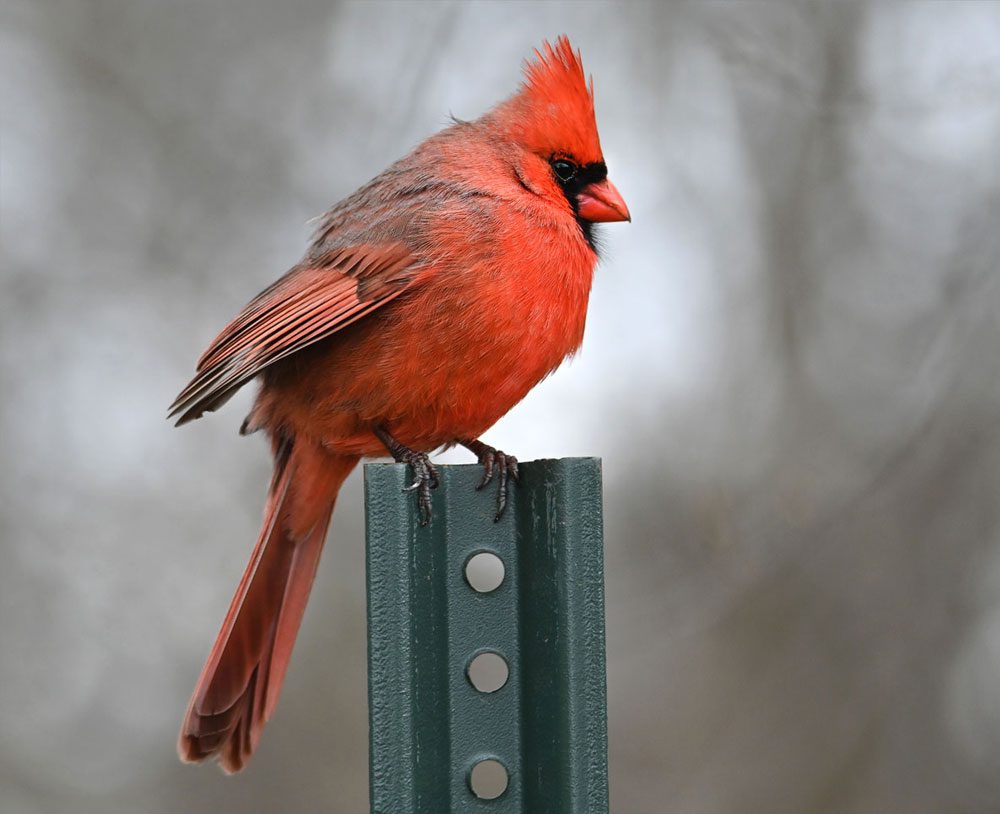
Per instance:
{"type": "Point", "coordinates": [548, 723]}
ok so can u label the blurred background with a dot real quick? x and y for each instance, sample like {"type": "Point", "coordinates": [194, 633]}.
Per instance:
{"type": "Point", "coordinates": [791, 371]}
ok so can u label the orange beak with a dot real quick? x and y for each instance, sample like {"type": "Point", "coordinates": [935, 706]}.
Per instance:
{"type": "Point", "coordinates": [600, 202]}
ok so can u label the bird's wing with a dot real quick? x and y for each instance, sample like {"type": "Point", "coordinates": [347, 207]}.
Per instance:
{"type": "Point", "coordinates": [314, 300]}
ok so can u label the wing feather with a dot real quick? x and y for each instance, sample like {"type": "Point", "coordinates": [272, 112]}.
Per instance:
{"type": "Point", "coordinates": [314, 300]}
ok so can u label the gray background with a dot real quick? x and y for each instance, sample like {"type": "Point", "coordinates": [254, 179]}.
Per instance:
{"type": "Point", "coordinates": [790, 370]}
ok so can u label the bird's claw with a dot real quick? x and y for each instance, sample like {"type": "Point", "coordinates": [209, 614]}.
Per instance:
{"type": "Point", "coordinates": [426, 479]}
{"type": "Point", "coordinates": [502, 465]}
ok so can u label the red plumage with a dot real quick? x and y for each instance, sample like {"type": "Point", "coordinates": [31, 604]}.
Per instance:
{"type": "Point", "coordinates": [431, 301]}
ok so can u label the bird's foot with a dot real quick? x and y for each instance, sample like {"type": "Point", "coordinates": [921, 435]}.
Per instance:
{"type": "Point", "coordinates": [426, 479]}
{"type": "Point", "coordinates": [425, 472]}
{"type": "Point", "coordinates": [497, 463]}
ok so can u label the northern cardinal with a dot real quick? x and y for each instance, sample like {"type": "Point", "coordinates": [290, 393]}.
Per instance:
{"type": "Point", "coordinates": [430, 302]}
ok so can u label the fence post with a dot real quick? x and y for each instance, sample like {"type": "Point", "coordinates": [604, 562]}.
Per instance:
{"type": "Point", "coordinates": [547, 724]}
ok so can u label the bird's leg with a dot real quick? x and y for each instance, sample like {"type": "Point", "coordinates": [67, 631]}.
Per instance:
{"type": "Point", "coordinates": [425, 471]}
{"type": "Point", "coordinates": [497, 463]}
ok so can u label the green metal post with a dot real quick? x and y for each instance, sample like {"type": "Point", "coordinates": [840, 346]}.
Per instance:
{"type": "Point", "coordinates": [429, 725]}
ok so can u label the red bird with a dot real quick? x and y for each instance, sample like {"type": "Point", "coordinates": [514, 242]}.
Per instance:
{"type": "Point", "coordinates": [430, 302]}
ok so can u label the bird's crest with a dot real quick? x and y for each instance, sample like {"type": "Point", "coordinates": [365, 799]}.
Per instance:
{"type": "Point", "coordinates": [553, 111]}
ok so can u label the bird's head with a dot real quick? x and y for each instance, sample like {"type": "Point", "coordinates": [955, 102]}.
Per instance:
{"type": "Point", "coordinates": [551, 120]}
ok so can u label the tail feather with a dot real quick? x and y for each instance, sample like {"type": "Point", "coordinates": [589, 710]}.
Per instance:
{"type": "Point", "coordinates": [241, 680]}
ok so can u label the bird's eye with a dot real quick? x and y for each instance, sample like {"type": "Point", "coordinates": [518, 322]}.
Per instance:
{"type": "Point", "coordinates": [564, 170]}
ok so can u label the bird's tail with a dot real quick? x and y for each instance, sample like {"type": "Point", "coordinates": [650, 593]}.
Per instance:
{"type": "Point", "coordinates": [240, 682]}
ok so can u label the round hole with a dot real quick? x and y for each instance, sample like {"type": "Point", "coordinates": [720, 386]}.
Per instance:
{"type": "Point", "coordinates": [488, 779]}
{"type": "Point", "coordinates": [484, 572]}
{"type": "Point", "coordinates": [488, 672]}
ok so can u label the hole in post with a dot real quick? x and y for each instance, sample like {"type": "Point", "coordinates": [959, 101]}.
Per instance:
{"type": "Point", "coordinates": [488, 779]}
{"type": "Point", "coordinates": [488, 672]}
{"type": "Point", "coordinates": [484, 572]}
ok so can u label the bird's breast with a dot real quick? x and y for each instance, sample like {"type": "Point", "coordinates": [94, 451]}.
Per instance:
{"type": "Point", "coordinates": [496, 326]}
